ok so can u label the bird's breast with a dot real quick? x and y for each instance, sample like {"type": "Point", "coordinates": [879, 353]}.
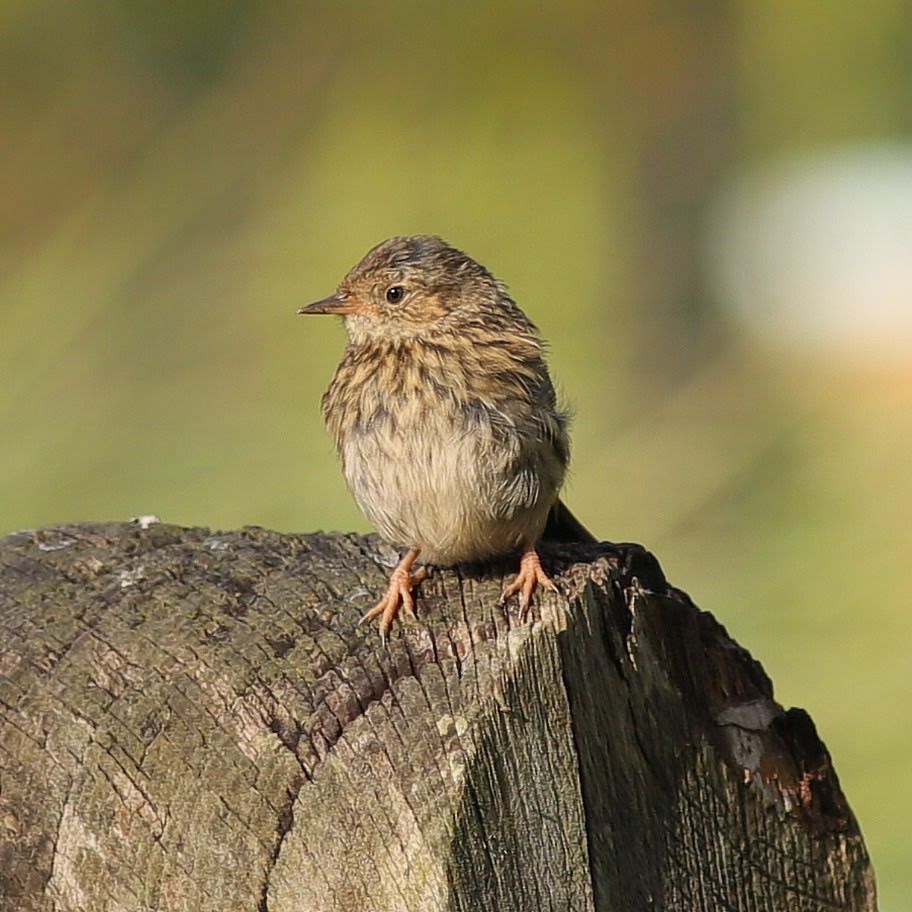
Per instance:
{"type": "Point", "coordinates": [447, 452]}
{"type": "Point", "coordinates": [433, 478]}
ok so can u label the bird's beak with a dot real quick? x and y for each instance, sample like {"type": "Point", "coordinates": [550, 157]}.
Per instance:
{"type": "Point", "coordinates": [335, 304]}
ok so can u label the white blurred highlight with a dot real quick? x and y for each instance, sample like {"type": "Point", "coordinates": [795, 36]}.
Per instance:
{"type": "Point", "coordinates": [816, 254]}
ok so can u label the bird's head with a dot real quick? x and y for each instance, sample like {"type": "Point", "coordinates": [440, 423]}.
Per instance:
{"type": "Point", "coordinates": [409, 286]}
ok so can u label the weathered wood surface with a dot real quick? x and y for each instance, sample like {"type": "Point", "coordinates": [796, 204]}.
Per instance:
{"type": "Point", "coordinates": [194, 721]}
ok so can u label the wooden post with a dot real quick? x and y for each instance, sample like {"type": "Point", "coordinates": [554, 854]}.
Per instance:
{"type": "Point", "coordinates": [193, 720]}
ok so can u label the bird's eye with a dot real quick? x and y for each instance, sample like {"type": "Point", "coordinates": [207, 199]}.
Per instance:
{"type": "Point", "coordinates": [395, 293]}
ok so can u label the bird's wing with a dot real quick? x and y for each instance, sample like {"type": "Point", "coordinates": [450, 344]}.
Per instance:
{"type": "Point", "coordinates": [563, 526]}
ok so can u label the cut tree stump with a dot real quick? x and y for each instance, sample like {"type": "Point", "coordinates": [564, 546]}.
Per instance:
{"type": "Point", "coordinates": [195, 721]}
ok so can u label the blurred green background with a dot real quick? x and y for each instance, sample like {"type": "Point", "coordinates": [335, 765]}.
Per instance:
{"type": "Point", "coordinates": [704, 206]}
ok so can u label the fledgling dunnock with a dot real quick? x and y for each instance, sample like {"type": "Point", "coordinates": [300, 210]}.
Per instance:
{"type": "Point", "coordinates": [445, 417]}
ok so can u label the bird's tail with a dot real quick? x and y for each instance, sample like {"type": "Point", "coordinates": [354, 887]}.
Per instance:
{"type": "Point", "coordinates": [562, 526]}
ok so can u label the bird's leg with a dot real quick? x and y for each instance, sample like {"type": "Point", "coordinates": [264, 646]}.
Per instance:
{"type": "Point", "coordinates": [530, 575]}
{"type": "Point", "coordinates": [398, 594]}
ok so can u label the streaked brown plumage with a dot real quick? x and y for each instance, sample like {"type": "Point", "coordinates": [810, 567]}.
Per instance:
{"type": "Point", "coordinates": [444, 415]}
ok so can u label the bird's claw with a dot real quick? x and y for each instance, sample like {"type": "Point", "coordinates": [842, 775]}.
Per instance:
{"type": "Point", "coordinates": [398, 597]}
{"type": "Point", "coordinates": [529, 577]}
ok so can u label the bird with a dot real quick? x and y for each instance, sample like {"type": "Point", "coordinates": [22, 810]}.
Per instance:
{"type": "Point", "coordinates": [445, 418]}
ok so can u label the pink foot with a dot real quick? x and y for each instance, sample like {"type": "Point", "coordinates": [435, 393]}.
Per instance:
{"type": "Point", "coordinates": [398, 594]}
{"type": "Point", "coordinates": [530, 575]}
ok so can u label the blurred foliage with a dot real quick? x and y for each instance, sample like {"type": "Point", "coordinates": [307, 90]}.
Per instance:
{"type": "Point", "coordinates": [176, 180]}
